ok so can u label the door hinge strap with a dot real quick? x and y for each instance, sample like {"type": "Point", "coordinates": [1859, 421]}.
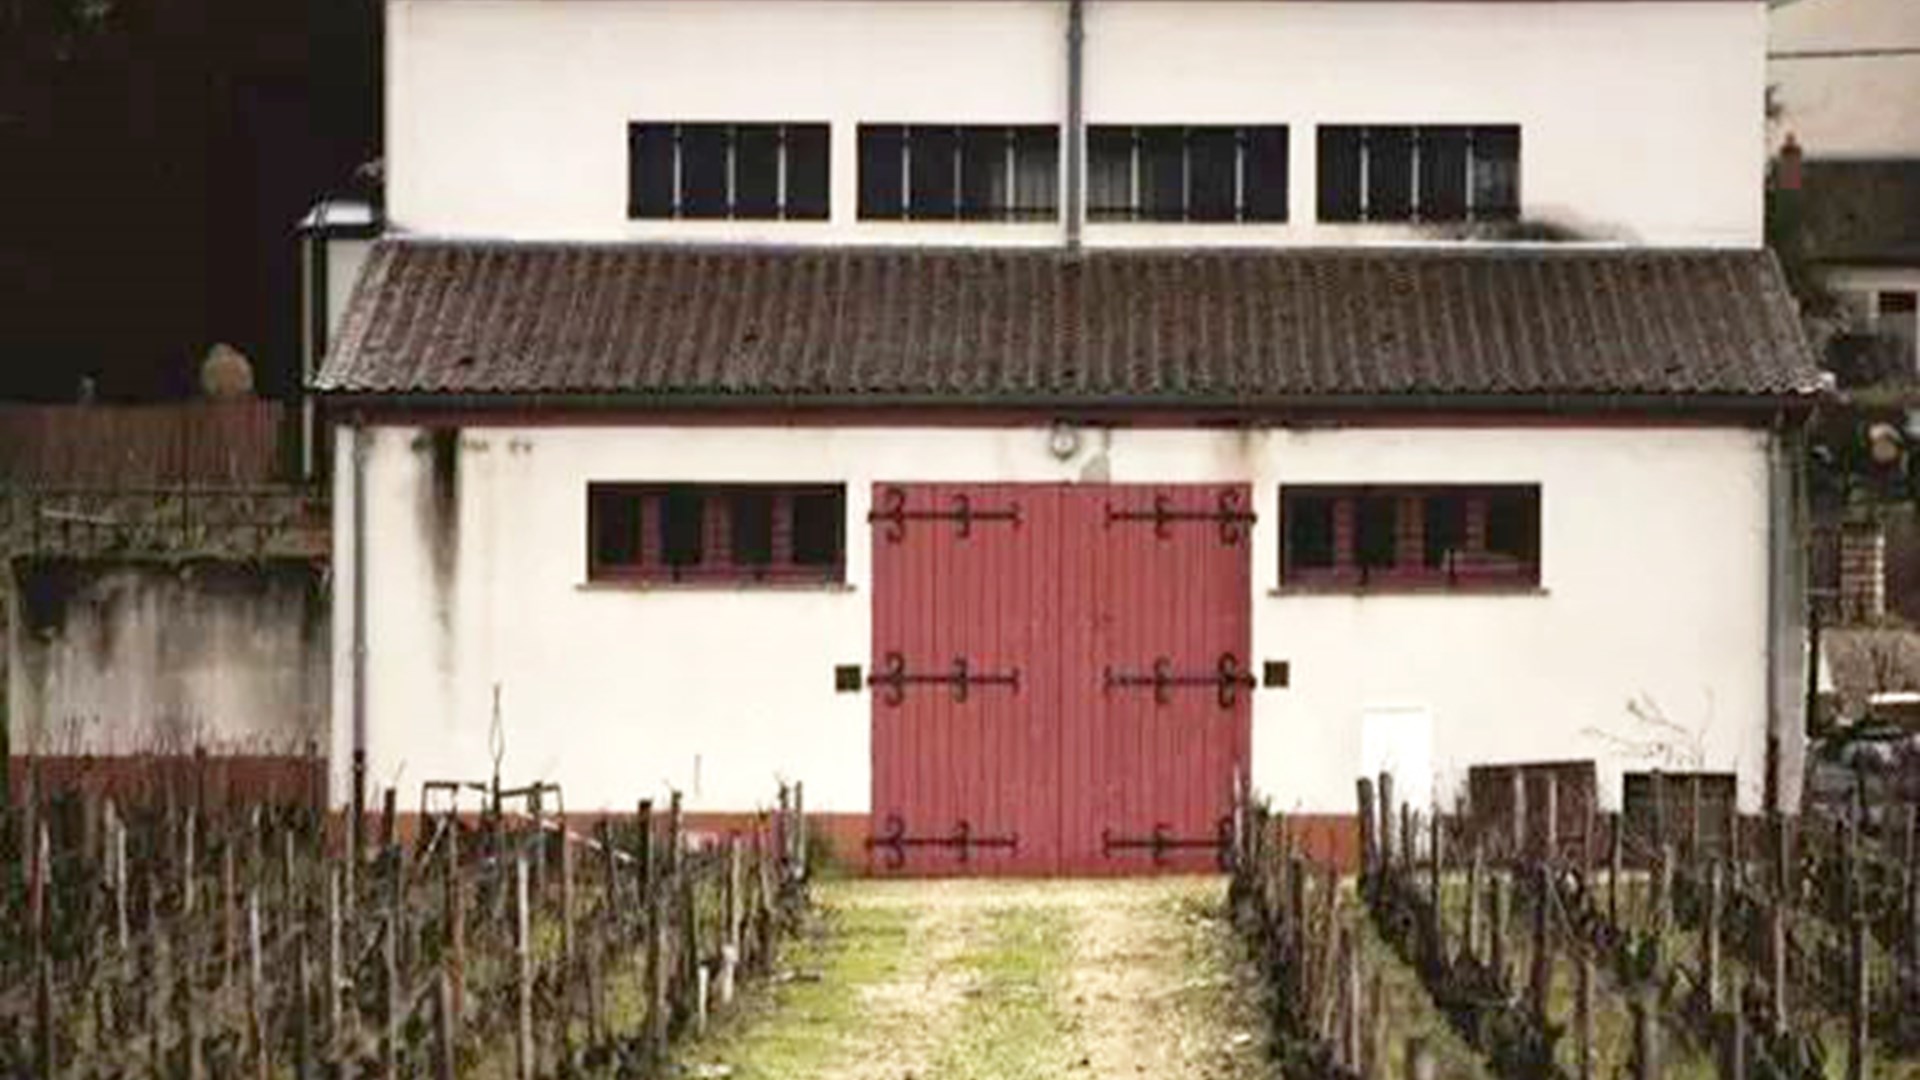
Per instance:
{"type": "Point", "coordinates": [896, 515]}
{"type": "Point", "coordinates": [1232, 518]}
{"type": "Point", "coordinates": [1228, 679]}
{"type": "Point", "coordinates": [960, 678]}
{"type": "Point", "coordinates": [893, 841]}
{"type": "Point", "coordinates": [1162, 841]}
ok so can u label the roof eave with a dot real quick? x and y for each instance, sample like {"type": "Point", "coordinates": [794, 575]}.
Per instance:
{"type": "Point", "coordinates": [1252, 406]}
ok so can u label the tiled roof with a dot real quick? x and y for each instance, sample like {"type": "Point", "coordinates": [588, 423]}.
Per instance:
{"type": "Point", "coordinates": [854, 325]}
{"type": "Point", "coordinates": [1862, 211]}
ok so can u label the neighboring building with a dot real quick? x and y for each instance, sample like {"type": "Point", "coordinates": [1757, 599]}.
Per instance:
{"type": "Point", "coordinates": [767, 388]}
{"type": "Point", "coordinates": [1845, 78]}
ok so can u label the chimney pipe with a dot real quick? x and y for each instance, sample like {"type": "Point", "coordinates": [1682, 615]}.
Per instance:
{"type": "Point", "coordinates": [1786, 175]}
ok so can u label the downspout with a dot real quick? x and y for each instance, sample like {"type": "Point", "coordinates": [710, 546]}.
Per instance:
{"type": "Point", "coordinates": [1792, 665]}
{"type": "Point", "coordinates": [359, 634]}
{"type": "Point", "coordinates": [1076, 123]}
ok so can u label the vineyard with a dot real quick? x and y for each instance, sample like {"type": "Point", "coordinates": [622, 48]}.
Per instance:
{"type": "Point", "coordinates": [271, 940]}
{"type": "Point", "coordinates": [1566, 944]}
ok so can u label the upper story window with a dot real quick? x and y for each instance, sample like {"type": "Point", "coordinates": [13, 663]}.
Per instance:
{"type": "Point", "coordinates": [1428, 536]}
{"type": "Point", "coordinates": [1432, 173]}
{"type": "Point", "coordinates": [1175, 173]}
{"type": "Point", "coordinates": [743, 533]}
{"type": "Point", "coordinates": [768, 171]}
{"type": "Point", "coordinates": [926, 172]}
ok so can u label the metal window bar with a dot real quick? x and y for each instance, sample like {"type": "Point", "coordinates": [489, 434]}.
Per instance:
{"type": "Point", "coordinates": [1416, 145]}
{"type": "Point", "coordinates": [1364, 142]}
{"type": "Point", "coordinates": [1240, 141]}
{"type": "Point", "coordinates": [733, 169]}
{"type": "Point", "coordinates": [673, 143]}
{"type": "Point", "coordinates": [780, 171]}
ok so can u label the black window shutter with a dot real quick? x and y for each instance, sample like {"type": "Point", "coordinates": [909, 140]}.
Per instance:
{"type": "Point", "coordinates": [756, 171]}
{"type": "Point", "coordinates": [807, 171]}
{"type": "Point", "coordinates": [703, 170]}
{"type": "Point", "coordinates": [1443, 174]}
{"type": "Point", "coordinates": [881, 176]}
{"type": "Point", "coordinates": [649, 170]}
{"type": "Point", "coordinates": [1389, 174]}
{"type": "Point", "coordinates": [985, 187]}
{"type": "Point", "coordinates": [930, 172]}
{"type": "Point", "coordinates": [1110, 173]}
{"type": "Point", "coordinates": [1036, 171]}
{"type": "Point", "coordinates": [1496, 172]}
{"type": "Point", "coordinates": [1339, 174]}
{"type": "Point", "coordinates": [1212, 175]}
{"type": "Point", "coordinates": [1265, 198]}
{"type": "Point", "coordinates": [1163, 173]}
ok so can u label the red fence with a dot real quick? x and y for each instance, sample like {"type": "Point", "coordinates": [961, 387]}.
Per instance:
{"type": "Point", "coordinates": [197, 442]}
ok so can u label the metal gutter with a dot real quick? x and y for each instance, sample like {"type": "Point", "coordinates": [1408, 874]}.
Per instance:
{"type": "Point", "coordinates": [1250, 406]}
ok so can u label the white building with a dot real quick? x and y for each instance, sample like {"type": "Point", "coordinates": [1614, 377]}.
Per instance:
{"type": "Point", "coordinates": [769, 388]}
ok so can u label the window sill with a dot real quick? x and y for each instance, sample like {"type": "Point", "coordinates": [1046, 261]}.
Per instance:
{"type": "Point", "coordinates": [616, 585]}
{"type": "Point", "coordinates": [1408, 589]}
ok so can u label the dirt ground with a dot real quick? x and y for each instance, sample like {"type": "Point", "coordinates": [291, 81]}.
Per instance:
{"type": "Point", "coordinates": [994, 980]}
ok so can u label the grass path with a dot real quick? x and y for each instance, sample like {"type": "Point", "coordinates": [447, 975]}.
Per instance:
{"type": "Point", "coordinates": [986, 980]}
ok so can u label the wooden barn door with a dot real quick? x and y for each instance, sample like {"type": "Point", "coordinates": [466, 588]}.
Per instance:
{"type": "Point", "coordinates": [961, 680]}
{"type": "Point", "coordinates": [1059, 676]}
{"type": "Point", "coordinates": [1162, 726]}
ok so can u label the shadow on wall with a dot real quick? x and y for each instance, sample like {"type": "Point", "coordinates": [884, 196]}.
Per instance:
{"type": "Point", "coordinates": [122, 661]}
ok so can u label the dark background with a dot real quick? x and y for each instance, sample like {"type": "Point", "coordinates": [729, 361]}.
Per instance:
{"type": "Point", "coordinates": [155, 157]}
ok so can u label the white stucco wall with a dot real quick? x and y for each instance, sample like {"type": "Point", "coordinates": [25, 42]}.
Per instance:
{"type": "Point", "coordinates": [115, 658]}
{"type": "Point", "coordinates": [1654, 573]}
{"type": "Point", "coordinates": [1849, 105]}
{"type": "Point", "coordinates": [507, 118]}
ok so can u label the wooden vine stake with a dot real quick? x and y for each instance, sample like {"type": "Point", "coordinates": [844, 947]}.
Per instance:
{"type": "Point", "coordinates": [1540, 985]}
{"type": "Point", "coordinates": [256, 991]}
{"type": "Point", "coordinates": [1583, 1017]}
{"type": "Point", "coordinates": [522, 974]}
{"type": "Point", "coordinates": [1857, 999]}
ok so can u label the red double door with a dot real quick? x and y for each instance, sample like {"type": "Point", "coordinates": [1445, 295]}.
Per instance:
{"type": "Point", "coordinates": [1060, 679]}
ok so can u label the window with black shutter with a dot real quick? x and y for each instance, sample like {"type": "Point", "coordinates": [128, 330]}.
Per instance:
{"type": "Point", "coordinates": [929, 172]}
{"type": "Point", "coordinates": [1439, 173]}
{"type": "Point", "coordinates": [1187, 173]}
{"type": "Point", "coordinates": [753, 171]}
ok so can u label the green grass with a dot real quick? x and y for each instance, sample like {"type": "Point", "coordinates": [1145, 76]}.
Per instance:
{"type": "Point", "coordinates": [1012, 1026]}
{"type": "Point", "coordinates": [1413, 1015]}
{"type": "Point", "coordinates": [797, 1028]}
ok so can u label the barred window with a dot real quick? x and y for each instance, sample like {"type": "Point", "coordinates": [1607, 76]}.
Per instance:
{"type": "Point", "coordinates": [754, 171]}
{"type": "Point", "coordinates": [1454, 536]}
{"type": "Point", "coordinates": [1180, 173]}
{"type": "Point", "coordinates": [1430, 173]}
{"type": "Point", "coordinates": [655, 532]}
{"type": "Point", "coordinates": [923, 172]}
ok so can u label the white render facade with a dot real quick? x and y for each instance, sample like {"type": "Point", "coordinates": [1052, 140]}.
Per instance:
{"type": "Point", "coordinates": [1644, 647]}
{"type": "Point", "coordinates": [506, 119]}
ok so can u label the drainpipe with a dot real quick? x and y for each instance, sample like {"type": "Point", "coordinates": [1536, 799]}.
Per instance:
{"type": "Point", "coordinates": [1076, 124]}
{"type": "Point", "coordinates": [1793, 661]}
{"type": "Point", "coordinates": [359, 635]}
